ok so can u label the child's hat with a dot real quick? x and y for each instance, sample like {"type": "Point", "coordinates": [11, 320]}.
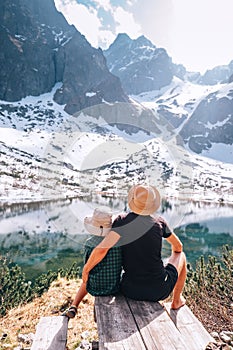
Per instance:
{"type": "Point", "coordinates": [100, 223]}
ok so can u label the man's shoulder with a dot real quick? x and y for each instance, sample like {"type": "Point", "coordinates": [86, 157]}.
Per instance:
{"type": "Point", "coordinates": [123, 217]}
{"type": "Point", "coordinates": [158, 218]}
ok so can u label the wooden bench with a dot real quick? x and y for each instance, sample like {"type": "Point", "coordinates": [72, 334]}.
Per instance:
{"type": "Point", "coordinates": [125, 324]}
{"type": "Point", "coordinates": [51, 333]}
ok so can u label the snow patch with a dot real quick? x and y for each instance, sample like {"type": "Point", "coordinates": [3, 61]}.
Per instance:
{"type": "Point", "coordinates": [90, 94]}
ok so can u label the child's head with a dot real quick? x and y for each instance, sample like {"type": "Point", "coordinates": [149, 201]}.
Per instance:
{"type": "Point", "coordinates": [100, 223]}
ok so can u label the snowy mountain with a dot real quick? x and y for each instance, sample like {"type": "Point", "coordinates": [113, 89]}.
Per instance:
{"type": "Point", "coordinates": [219, 74]}
{"type": "Point", "coordinates": [198, 107]}
{"type": "Point", "coordinates": [113, 140]}
{"type": "Point", "coordinates": [200, 114]}
{"type": "Point", "coordinates": [90, 152]}
{"type": "Point", "coordinates": [211, 123]}
{"type": "Point", "coordinates": [139, 64]}
{"type": "Point", "coordinates": [39, 49]}
{"type": "Point", "coordinates": [142, 66]}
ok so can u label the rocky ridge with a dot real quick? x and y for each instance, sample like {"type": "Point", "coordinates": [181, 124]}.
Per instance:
{"type": "Point", "coordinates": [139, 64]}
{"type": "Point", "coordinates": [40, 49]}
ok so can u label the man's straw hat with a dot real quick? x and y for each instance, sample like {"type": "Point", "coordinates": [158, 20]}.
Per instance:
{"type": "Point", "coordinates": [143, 200]}
{"type": "Point", "coordinates": [100, 223]}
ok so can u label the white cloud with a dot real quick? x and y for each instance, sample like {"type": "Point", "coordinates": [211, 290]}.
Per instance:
{"type": "Point", "coordinates": [196, 33]}
{"type": "Point", "coordinates": [125, 23]}
{"type": "Point", "coordinates": [202, 32]}
{"type": "Point", "coordinates": [105, 4]}
{"type": "Point", "coordinates": [155, 18]}
{"type": "Point", "coordinates": [84, 19]}
{"type": "Point", "coordinates": [105, 38]}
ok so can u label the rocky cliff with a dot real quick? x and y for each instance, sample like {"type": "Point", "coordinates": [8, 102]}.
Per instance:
{"type": "Point", "coordinates": [211, 122]}
{"type": "Point", "coordinates": [39, 48]}
{"type": "Point", "coordinates": [219, 74]}
{"type": "Point", "coordinates": [139, 64]}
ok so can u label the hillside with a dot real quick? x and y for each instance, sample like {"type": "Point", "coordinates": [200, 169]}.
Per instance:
{"type": "Point", "coordinates": [23, 319]}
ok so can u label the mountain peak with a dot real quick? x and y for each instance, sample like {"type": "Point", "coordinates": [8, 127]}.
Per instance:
{"type": "Point", "coordinates": [144, 41]}
{"type": "Point", "coordinates": [122, 39]}
{"type": "Point", "coordinates": [139, 64]}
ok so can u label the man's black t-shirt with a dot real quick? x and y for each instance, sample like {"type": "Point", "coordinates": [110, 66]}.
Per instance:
{"type": "Point", "coordinates": [141, 241]}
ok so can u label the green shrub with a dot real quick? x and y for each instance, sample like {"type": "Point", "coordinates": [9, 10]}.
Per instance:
{"type": "Point", "coordinates": [209, 286]}
{"type": "Point", "coordinates": [15, 289]}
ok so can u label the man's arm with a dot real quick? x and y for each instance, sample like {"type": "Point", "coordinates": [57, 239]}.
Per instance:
{"type": "Point", "coordinates": [99, 253]}
{"type": "Point", "coordinates": [177, 246]}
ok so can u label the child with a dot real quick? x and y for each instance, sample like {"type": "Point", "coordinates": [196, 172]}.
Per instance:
{"type": "Point", "coordinates": [104, 278]}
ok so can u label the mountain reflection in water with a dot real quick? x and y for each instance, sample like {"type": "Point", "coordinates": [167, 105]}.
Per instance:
{"type": "Point", "coordinates": [43, 236]}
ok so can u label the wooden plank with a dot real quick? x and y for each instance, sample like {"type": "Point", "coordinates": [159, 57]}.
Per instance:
{"type": "Point", "coordinates": [156, 327]}
{"type": "Point", "coordinates": [51, 333]}
{"type": "Point", "coordinates": [116, 326]}
{"type": "Point", "coordinates": [191, 329]}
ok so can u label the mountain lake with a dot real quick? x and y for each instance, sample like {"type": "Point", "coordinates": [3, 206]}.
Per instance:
{"type": "Point", "coordinates": [47, 236]}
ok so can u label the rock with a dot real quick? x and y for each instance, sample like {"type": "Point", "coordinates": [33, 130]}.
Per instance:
{"type": "Point", "coordinates": [211, 122]}
{"type": "Point", "coordinates": [86, 78]}
{"type": "Point", "coordinates": [39, 49]}
{"type": "Point", "coordinates": [95, 345]}
{"type": "Point", "coordinates": [219, 74]}
{"type": "Point", "coordinates": [218, 346]}
{"type": "Point", "coordinates": [224, 336]}
{"type": "Point", "coordinates": [28, 47]}
{"type": "Point", "coordinates": [85, 334]}
{"type": "Point", "coordinates": [215, 335]}
{"type": "Point", "coordinates": [4, 336]}
{"type": "Point", "coordinates": [84, 345]}
{"type": "Point", "coordinates": [139, 64]}
{"type": "Point", "coordinates": [211, 346]}
{"type": "Point", "coordinates": [26, 338]}
{"type": "Point", "coordinates": [229, 334]}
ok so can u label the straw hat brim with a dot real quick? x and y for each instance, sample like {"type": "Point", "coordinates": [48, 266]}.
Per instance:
{"type": "Point", "coordinates": [95, 230]}
{"type": "Point", "coordinates": [149, 208]}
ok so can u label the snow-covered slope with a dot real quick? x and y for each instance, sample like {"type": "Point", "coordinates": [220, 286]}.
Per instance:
{"type": "Point", "coordinates": [200, 114]}
{"type": "Point", "coordinates": [176, 101]}
{"type": "Point", "coordinates": [48, 154]}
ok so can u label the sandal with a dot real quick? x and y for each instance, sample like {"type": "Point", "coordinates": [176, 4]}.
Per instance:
{"type": "Point", "coordinates": [70, 312]}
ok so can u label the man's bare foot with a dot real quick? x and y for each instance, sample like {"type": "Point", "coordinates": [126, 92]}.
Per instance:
{"type": "Point", "coordinates": [176, 304]}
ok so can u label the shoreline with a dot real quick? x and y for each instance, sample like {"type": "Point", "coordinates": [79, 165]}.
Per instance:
{"type": "Point", "coordinates": [29, 202]}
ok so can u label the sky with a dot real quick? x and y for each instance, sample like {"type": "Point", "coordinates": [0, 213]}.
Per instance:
{"type": "Point", "coordinates": [195, 33]}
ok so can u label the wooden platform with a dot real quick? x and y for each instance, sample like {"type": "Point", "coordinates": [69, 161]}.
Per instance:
{"type": "Point", "coordinates": [51, 333]}
{"type": "Point", "coordinates": [125, 324]}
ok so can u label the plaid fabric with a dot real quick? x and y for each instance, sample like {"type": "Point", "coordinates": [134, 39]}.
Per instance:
{"type": "Point", "coordinates": [104, 278]}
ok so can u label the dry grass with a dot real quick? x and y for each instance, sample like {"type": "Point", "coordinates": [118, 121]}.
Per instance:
{"type": "Point", "coordinates": [24, 318]}
{"type": "Point", "coordinates": [216, 319]}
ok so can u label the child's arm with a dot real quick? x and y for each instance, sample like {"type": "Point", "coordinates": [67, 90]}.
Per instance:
{"type": "Point", "coordinates": [99, 253]}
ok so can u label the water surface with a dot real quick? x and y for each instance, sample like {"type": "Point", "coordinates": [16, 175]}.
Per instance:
{"type": "Point", "coordinates": [43, 236]}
